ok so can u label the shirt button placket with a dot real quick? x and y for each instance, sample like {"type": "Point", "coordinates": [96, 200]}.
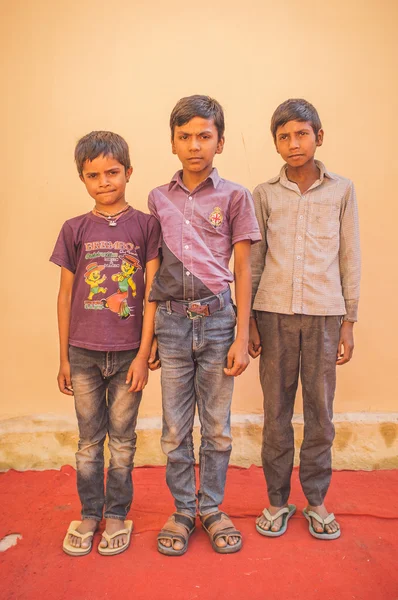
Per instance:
{"type": "Point", "coordinates": [187, 257]}
{"type": "Point", "coordinates": [298, 268]}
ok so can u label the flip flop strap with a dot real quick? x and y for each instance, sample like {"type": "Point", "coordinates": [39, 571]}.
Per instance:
{"type": "Point", "coordinates": [108, 537]}
{"type": "Point", "coordinates": [326, 521]}
{"type": "Point", "coordinates": [81, 536]}
{"type": "Point", "coordinates": [272, 518]}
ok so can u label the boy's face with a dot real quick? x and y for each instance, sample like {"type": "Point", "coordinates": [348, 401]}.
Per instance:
{"type": "Point", "coordinates": [196, 143]}
{"type": "Point", "coordinates": [296, 142]}
{"type": "Point", "coordinates": [105, 180]}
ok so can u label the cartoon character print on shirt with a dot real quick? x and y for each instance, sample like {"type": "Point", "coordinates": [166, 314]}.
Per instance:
{"type": "Point", "coordinates": [116, 255]}
{"type": "Point", "coordinates": [118, 302]}
{"type": "Point", "coordinates": [93, 278]}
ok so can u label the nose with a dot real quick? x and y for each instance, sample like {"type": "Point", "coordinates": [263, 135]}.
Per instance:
{"type": "Point", "coordinates": [194, 144]}
{"type": "Point", "coordinates": [294, 142]}
{"type": "Point", "coordinates": [103, 180]}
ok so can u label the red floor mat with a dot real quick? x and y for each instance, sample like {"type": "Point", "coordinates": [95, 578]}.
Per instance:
{"type": "Point", "coordinates": [361, 565]}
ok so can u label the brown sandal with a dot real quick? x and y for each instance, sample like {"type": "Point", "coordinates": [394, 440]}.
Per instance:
{"type": "Point", "coordinates": [219, 525]}
{"type": "Point", "coordinates": [177, 528]}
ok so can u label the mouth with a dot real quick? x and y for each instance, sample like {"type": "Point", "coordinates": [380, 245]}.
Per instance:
{"type": "Point", "coordinates": [193, 158]}
{"type": "Point", "coordinates": [296, 155]}
{"type": "Point", "coordinates": [104, 193]}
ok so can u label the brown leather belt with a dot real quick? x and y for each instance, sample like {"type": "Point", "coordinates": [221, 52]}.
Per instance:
{"type": "Point", "coordinates": [199, 308]}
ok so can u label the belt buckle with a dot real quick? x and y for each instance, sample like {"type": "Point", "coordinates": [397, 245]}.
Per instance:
{"type": "Point", "coordinates": [196, 310]}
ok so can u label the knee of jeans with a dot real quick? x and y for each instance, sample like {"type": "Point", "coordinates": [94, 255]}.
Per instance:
{"type": "Point", "coordinates": [171, 441]}
{"type": "Point", "coordinates": [219, 440]}
{"type": "Point", "coordinates": [122, 451]}
{"type": "Point", "coordinates": [88, 454]}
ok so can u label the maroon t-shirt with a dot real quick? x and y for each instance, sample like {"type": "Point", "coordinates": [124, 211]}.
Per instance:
{"type": "Point", "coordinates": [109, 266]}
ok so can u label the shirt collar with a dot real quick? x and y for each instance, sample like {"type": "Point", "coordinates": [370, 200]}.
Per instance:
{"type": "Point", "coordinates": [282, 177]}
{"type": "Point", "coordinates": [213, 177]}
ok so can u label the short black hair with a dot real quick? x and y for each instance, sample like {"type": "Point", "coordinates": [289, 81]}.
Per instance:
{"type": "Point", "coordinates": [295, 109]}
{"type": "Point", "coordinates": [99, 143]}
{"type": "Point", "coordinates": [197, 106]}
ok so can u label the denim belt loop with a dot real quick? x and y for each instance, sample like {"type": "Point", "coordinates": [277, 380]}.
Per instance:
{"type": "Point", "coordinates": [221, 300]}
{"type": "Point", "coordinates": [168, 307]}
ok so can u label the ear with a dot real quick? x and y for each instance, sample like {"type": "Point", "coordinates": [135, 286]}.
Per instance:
{"type": "Point", "coordinates": [128, 173]}
{"type": "Point", "coordinates": [220, 145]}
{"type": "Point", "coordinates": [276, 146]}
{"type": "Point", "coordinates": [81, 178]}
{"type": "Point", "coordinates": [319, 138]}
{"type": "Point", "coordinates": [173, 148]}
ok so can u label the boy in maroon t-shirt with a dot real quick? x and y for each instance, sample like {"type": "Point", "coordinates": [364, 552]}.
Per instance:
{"type": "Point", "coordinates": [108, 258]}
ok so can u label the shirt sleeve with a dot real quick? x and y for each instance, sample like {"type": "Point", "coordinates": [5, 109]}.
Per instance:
{"type": "Point", "coordinates": [259, 251]}
{"type": "Point", "coordinates": [154, 240]}
{"type": "Point", "coordinates": [243, 221]}
{"type": "Point", "coordinates": [65, 252]}
{"type": "Point", "coordinates": [350, 254]}
{"type": "Point", "coordinates": [152, 205]}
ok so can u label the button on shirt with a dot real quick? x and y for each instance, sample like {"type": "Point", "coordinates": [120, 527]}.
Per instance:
{"type": "Point", "coordinates": [199, 228]}
{"type": "Point", "coordinates": [309, 259]}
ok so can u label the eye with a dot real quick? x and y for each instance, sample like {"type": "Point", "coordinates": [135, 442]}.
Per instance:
{"type": "Point", "coordinates": [183, 137]}
{"type": "Point", "coordinates": [205, 136]}
{"type": "Point", "coordinates": [91, 175]}
{"type": "Point", "coordinates": [303, 133]}
{"type": "Point", "coordinates": [283, 137]}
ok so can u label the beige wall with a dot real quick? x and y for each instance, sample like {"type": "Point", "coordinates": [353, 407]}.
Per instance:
{"type": "Point", "coordinates": [76, 66]}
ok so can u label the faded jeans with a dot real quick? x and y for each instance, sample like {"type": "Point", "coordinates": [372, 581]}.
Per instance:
{"type": "Point", "coordinates": [104, 406]}
{"type": "Point", "coordinates": [293, 345]}
{"type": "Point", "coordinates": [193, 353]}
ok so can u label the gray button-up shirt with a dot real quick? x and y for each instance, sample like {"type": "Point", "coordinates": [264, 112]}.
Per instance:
{"type": "Point", "coordinates": [308, 261]}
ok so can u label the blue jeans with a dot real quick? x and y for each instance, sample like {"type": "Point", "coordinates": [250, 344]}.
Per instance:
{"type": "Point", "coordinates": [193, 354]}
{"type": "Point", "coordinates": [104, 406]}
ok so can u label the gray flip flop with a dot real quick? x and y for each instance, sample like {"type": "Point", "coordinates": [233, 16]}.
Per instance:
{"type": "Point", "coordinates": [310, 514]}
{"type": "Point", "coordinates": [286, 512]}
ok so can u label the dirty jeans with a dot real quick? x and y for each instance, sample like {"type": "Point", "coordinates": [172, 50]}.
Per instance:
{"type": "Point", "coordinates": [104, 406]}
{"type": "Point", "coordinates": [193, 355]}
{"type": "Point", "coordinates": [293, 344]}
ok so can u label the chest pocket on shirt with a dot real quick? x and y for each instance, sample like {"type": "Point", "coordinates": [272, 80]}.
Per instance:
{"type": "Point", "coordinates": [213, 236]}
{"type": "Point", "coordinates": [323, 220]}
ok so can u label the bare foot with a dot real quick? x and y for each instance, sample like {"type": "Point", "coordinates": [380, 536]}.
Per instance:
{"type": "Point", "coordinates": [85, 526]}
{"type": "Point", "coordinates": [265, 524]}
{"type": "Point", "coordinates": [177, 545]}
{"type": "Point", "coordinates": [222, 542]}
{"type": "Point", "coordinates": [323, 513]}
{"type": "Point", "coordinates": [113, 525]}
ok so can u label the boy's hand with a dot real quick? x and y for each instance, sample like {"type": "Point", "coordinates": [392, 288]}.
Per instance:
{"type": "Point", "coordinates": [254, 339]}
{"type": "Point", "coordinates": [64, 379]}
{"type": "Point", "coordinates": [345, 348]}
{"type": "Point", "coordinates": [154, 360]}
{"type": "Point", "coordinates": [137, 374]}
{"type": "Point", "coordinates": [237, 359]}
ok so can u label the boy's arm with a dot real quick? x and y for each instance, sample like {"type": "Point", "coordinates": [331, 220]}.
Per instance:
{"type": "Point", "coordinates": [64, 305]}
{"type": "Point", "coordinates": [238, 358]}
{"type": "Point", "coordinates": [350, 273]}
{"type": "Point", "coordinates": [138, 371]}
{"type": "Point", "coordinates": [258, 253]}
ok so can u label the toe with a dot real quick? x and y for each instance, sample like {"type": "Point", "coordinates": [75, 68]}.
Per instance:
{"type": "Point", "coordinates": [221, 542]}
{"type": "Point", "coordinates": [178, 545]}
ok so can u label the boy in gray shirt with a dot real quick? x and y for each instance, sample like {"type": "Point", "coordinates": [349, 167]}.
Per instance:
{"type": "Point", "coordinates": [306, 274]}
